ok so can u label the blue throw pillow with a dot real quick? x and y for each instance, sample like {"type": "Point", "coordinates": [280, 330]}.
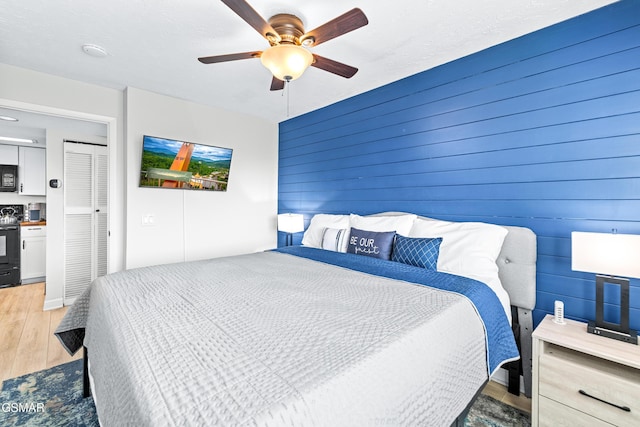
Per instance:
{"type": "Point", "coordinates": [371, 243]}
{"type": "Point", "coordinates": [419, 252]}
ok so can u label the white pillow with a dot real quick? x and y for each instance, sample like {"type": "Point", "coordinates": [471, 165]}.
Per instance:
{"type": "Point", "coordinates": [401, 224]}
{"type": "Point", "coordinates": [468, 249]}
{"type": "Point", "coordinates": [313, 236]}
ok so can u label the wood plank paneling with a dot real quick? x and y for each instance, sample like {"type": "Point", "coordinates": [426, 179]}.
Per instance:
{"type": "Point", "coordinates": [542, 131]}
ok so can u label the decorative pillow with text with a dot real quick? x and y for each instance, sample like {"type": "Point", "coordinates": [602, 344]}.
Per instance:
{"type": "Point", "coordinates": [376, 244]}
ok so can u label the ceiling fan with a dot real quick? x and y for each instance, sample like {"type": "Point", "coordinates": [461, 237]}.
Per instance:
{"type": "Point", "coordinates": [288, 57]}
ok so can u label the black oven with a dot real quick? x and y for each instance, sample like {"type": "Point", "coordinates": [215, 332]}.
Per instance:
{"type": "Point", "coordinates": [10, 217]}
{"type": "Point", "coordinates": [9, 255]}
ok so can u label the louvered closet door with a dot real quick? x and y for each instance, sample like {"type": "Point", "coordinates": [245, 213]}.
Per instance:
{"type": "Point", "coordinates": [101, 209]}
{"type": "Point", "coordinates": [85, 217]}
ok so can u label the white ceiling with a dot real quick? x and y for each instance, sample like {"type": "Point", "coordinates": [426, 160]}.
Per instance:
{"type": "Point", "coordinates": [153, 44]}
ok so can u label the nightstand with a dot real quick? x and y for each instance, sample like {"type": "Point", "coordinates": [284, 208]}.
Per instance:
{"type": "Point", "coordinates": [581, 379]}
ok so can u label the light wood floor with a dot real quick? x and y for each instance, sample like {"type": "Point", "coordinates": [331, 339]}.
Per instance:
{"type": "Point", "coordinates": [27, 343]}
{"type": "Point", "coordinates": [499, 392]}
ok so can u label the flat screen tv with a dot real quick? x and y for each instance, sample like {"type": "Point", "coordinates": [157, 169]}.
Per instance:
{"type": "Point", "coordinates": [169, 163]}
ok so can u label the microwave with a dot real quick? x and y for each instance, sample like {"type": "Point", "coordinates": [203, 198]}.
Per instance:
{"type": "Point", "coordinates": [8, 178]}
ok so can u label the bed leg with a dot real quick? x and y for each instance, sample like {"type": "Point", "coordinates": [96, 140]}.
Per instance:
{"type": "Point", "coordinates": [514, 368]}
{"type": "Point", "coordinates": [86, 388]}
{"type": "Point", "coordinates": [459, 422]}
{"type": "Point", "coordinates": [525, 318]}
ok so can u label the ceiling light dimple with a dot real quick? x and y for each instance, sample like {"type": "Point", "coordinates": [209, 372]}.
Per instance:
{"type": "Point", "coordinates": [94, 50]}
{"type": "Point", "coordinates": [8, 118]}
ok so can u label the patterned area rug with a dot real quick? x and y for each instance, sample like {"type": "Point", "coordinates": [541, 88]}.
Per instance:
{"type": "Point", "coordinates": [488, 412]}
{"type": "Point", "coordinates": [53, 397]}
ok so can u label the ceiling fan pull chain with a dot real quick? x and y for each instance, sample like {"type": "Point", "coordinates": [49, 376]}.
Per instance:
{"type": "Point", "coordinates": [287, 87]}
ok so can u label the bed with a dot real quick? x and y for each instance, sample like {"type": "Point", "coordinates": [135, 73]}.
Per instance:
{"type": "Point", "coordinates": [297, 336]}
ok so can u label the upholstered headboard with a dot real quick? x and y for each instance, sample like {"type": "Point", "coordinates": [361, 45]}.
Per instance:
{"type": "Point", "coordinates": [517, 266]}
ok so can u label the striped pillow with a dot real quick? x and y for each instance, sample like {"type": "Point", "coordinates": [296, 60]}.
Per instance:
{"type": "Point", "coordinates": [335, 239]}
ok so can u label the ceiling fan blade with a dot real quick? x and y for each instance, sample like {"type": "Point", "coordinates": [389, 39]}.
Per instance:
{"type": "Point", "coordinates": [334, 67]}
{"type": "Point", "coordinates": [343, 24]}
{"type": "Point", "coordinates": [277, 84]}
{"type": "Point", "coordinates": [253, 18]}
{"type": "Point", "coordinates": [229, 57]}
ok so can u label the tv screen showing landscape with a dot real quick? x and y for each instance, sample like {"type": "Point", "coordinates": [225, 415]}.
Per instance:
{"type": "Point", "coordinates": [169, 163]}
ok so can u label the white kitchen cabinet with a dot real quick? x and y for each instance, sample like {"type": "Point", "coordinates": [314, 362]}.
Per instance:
{"type": "Point", "coordinates": [32, 171]}
{"type": "Point", "coordinates": [8, 154]}
{"type": "Point", "coordinates": [33, 241]}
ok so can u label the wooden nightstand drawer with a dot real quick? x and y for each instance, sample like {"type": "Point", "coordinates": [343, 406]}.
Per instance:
{"type": "Point", "coordinates": [567, 359]}
{"type": "Point", "coordinates": [570, 374]}
{"type": "Point", "coordinates": [554, 414]}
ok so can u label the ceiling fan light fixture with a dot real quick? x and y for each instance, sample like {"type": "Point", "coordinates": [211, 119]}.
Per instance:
{"type": "Point", "coordinates": [286, 61]}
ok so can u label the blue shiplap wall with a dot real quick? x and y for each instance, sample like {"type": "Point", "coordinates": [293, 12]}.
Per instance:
{"type": "Point", "coordinates": [541, 131]}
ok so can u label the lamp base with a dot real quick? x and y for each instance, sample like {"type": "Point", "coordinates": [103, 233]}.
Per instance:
{"type": "Point", "coordinates": [631, 337]}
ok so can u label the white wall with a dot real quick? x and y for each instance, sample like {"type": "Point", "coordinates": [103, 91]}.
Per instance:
{"type": "Point", "coordinates": [191, 225]}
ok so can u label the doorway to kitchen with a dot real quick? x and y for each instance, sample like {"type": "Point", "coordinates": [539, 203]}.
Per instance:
{"type": "Point", "coordinates": [55, 136]}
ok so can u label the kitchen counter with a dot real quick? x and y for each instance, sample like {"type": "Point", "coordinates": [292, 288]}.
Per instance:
{"type": "Point", "coordinates": [33, 224]}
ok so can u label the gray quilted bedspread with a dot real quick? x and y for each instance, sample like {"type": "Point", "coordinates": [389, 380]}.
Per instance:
{"type": "Point", "coordinates": [275, 340]}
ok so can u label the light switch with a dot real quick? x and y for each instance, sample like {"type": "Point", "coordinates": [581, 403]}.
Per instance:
{"type": "Point", "coordinates": [148, 220]}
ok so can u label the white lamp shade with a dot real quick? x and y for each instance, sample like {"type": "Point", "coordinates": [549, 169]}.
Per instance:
{"type": "Point", "coordinates": [286, 61]}
{"type": "Point", "coordinates": [291, 223]}
{"type": "Point", "coordinates": [606, 253]}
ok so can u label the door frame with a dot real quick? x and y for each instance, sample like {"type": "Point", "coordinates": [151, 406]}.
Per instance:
{"type": "Point", "coordinates": [112, 139]}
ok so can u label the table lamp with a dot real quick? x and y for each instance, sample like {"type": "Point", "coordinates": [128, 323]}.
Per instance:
{"type": "Point", "coordinates": [290, 223]}
{"type": "Point", "coordinates": [609, 255]}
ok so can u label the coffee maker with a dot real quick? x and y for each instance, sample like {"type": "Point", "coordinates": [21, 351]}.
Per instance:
{"type": "Point", "coordinates": [35, 212]}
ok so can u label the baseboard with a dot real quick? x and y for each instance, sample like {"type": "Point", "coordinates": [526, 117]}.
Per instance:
{"type": "Point", "coordinates": [52, 304]}
{"type": "Point", "coordinates": [33, 280]}
{"type": "Point", "coordinates": [501, 376]}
